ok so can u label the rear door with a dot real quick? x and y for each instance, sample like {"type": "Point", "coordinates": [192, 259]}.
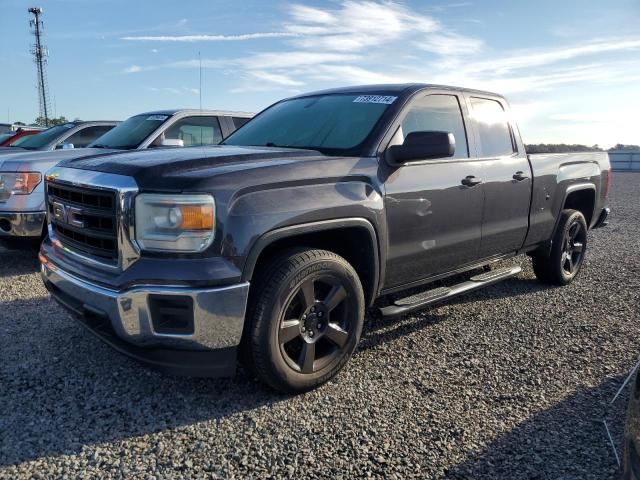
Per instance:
{"type": "Point", "coordinates": [433, 220]}
{"type": "Point", "coordinates": [507, 176]}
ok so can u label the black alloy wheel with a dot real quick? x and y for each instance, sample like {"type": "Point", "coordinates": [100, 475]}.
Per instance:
{"type": "Point", "coordinates": [315, 324]}
{"type": "Point", "coordinates": [306, 311]}
{"type": "Point", "coordinates": [573, 249]}
{"type": "Point", "coordinates": [563, 262]}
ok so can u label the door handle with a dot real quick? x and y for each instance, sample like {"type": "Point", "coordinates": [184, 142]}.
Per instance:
{"type": "Point", "coordinates": [520, 176]}
{"type": "Point", "coordinates": [471, 181]}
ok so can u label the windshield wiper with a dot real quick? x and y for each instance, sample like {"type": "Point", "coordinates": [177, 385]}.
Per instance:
{"type": "Point", "coordinates": [271, 144]}
{"type": "Point", "coordinates": [100, 145]}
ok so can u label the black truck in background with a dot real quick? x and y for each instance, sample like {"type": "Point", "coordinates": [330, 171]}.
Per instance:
{"type": "Point", "coordinates": [272, 245]}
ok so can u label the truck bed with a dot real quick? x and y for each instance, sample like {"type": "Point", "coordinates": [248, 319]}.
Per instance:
{"type": "Point", "coordinates": [555, 175]}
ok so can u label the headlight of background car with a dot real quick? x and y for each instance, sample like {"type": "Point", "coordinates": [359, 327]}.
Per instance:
{"type": "Point", "coordinates": [18, 183]}
{"type": "Point", "coordinates": [174, 223]}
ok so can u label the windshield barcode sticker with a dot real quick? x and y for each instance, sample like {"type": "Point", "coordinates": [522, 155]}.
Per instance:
{"type": "Point", "coordinates": [157, 117]}
{"type": "Point", "coordinates": [385, 99]}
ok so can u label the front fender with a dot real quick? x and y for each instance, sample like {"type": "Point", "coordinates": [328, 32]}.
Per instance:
{"type": "Point", "coordinates": [257, 218]}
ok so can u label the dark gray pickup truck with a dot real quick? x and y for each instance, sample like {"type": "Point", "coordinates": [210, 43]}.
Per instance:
{"type": "Point", "coordinates": [272, 245]}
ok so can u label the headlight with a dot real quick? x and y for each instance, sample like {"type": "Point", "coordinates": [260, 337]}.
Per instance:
{"type": "Point", "coordinates": [174, 223]}
{"type": "Point", "coordinates": [18, 183]}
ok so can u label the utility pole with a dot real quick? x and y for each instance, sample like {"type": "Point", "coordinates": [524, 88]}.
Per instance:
{"type": "Point", "coordinates": [40, 54]}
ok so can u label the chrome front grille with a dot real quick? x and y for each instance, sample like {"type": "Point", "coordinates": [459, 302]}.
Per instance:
{"type": "Point", "coordinates": [91, 219]}
{"type": "Point", "coordinates": [84, 219]}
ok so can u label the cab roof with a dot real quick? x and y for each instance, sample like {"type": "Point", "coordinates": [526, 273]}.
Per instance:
{"type": "Point", "coordinates": [222, 113]}
{"type": "Point", "coordinates": [392, 89]}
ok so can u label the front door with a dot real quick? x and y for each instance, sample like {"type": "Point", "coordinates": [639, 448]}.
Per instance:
{"type": "Point", "coordinates": [433, 219]}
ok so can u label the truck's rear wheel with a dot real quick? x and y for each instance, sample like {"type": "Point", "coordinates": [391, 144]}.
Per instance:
{"type": "Point", "coordinates": [305, 319]}
{"type": "Point", "coordinates": [568, 249]}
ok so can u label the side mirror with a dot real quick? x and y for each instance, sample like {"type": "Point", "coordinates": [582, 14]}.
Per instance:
{"type": "Point", "coordinates": [419, 146]}
{"type": "Point", "coordinates": [171, 142]}
{"type": "Point", "coordinates": [65, 146]}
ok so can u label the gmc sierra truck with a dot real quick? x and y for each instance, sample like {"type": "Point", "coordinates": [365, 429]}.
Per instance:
{"type": "Point", "coordinates": [271, 246]}
{"type": "Point", "coordinates": [22, 204]}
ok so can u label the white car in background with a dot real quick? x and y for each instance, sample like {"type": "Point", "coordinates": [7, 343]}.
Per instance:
{"type": "Point", "coordinates": [22, 204]}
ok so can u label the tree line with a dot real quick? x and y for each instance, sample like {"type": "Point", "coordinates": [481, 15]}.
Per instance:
{"type": "Point", "coordinates": [565, 148]}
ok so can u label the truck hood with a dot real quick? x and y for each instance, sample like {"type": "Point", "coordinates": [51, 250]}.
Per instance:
{"type": "Point", "coordinates": [181, 166]}
{"type": "Point", "coordinates": [41, 161]}
{"type": "Point", "coordinates": [6, 151]}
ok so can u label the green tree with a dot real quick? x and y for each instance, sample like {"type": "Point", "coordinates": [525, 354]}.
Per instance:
{"type": "Point", "coordinates": [52, 121]}
{"type": "Point", "coordinates": [621, 146]}
{"type": "Point", "coordinates": [560, 148]}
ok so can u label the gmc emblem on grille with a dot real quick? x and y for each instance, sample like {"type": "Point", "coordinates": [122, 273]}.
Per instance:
{"type": "Point", "coordinates": [69, 215]}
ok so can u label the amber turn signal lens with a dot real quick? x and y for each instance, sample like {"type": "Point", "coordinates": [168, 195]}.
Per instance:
{"type": "Point", "coordinates": [19, 183]}
{"type": "Point", "coordinates": [26, 182]}
{"type": "Point", "coordinates": [196, 217]}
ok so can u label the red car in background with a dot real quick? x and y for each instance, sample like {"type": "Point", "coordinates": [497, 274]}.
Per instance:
{"type": "Point", "coordinates": [7, 139]}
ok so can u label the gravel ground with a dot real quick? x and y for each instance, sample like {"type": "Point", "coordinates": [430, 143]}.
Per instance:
{"type": "Point", "coordinates": [509, 382]}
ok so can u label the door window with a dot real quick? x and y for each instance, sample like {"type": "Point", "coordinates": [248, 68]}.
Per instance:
{"type": "Point", "coordinates": [195, 131]}
{"type": "Point", "coordinates": [493, 128]}
{"type": "Point", "coordinates": [87, 135]}
{"type": "Point", "coordinates": [438, 113]}
{"type": "Point", "coordinates": [239, 121]}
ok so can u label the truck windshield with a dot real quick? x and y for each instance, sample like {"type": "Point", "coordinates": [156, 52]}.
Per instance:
{"type": "Point", "coordinates": [42, 139]}
{"type": "Point", "coordinates": [332, 123]}
{"type": "Point", "coordinates": [130, 133]}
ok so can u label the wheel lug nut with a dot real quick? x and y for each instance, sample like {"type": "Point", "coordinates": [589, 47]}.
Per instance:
{"type": "Point", "coordinates": [304, 317]}
{"type": "Point", "coordinates": [303, 329]}
{"type": "Point", "coordinates": [313, 309]}
{"type": "Point", "coordinates": [319, 314]}
{"type": "Point", "coordinates": [319, 325]}
{"type": "Point", "coordinates": [311, 333]}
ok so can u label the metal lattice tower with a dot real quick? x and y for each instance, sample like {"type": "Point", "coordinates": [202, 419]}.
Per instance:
{"type": "Point", "coordinates": [40, 54]}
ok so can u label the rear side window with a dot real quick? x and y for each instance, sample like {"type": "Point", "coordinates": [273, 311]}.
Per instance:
{"type": "Point", "coordinates": [493, 128]}
{"type": "Point", "coordinates": [195, 131]}
{"type": "Point", "coordinates": [437, 113]}
{"type": "Point", "coordinates": [87, 135]}
{"type": "Point", "coordinates": [239, 121]}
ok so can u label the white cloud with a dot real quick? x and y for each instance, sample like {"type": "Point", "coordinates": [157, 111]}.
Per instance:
{"type": "Point", "coordinates": [537, 58]}
{"type": "Point", "coordinates": [275, 78]}
{"type": "Point", "coordinates": [449, 44]}
{"type": "Point", "coordinates": [174, 90]}
{"type": "Point", "coordinates": [132, 69]}
{"type": "Point", "coordinates": [207, 38]}
{"type": "Point", "coordinates": [357, 25]}
{"type": "Point", "coordinates": [294, 59]}
{"type": "Point", "coordinates": [348, 74]}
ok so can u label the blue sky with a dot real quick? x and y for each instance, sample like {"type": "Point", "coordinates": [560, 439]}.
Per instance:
{"type": "Point", "coordinates": [571, 69]}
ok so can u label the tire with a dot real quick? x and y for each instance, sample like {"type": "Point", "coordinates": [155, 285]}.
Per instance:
{"type": "Point", "coordinates": [305, 320]}
{"type": "Point", "coordinates": [568, 249]}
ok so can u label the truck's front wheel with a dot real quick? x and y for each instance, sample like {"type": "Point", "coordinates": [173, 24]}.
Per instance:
{"type": "Point", "coordinates": [305, 319]}
{"type": "Point", "coordinates": [568, 248]}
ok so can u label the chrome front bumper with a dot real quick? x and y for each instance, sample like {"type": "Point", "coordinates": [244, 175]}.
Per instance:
{"type": "Point", "coordinates": [218, 313]}
{"type": "Point", "coordinates": [124, 319]}
{"type": "Point", "coordinates": [21, 224]}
